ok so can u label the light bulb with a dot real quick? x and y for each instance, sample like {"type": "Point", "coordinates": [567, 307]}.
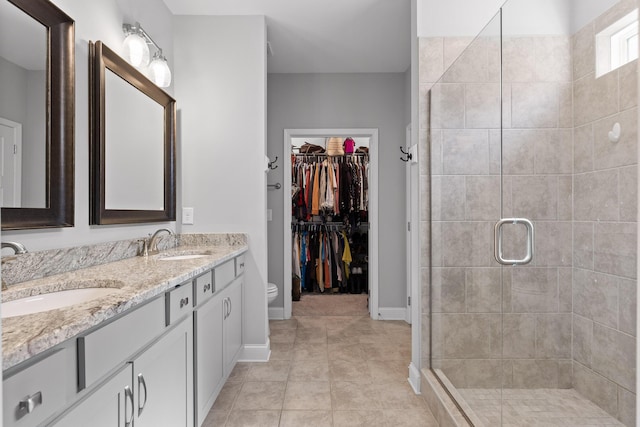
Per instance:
{"type": "Point", "coordinates": [136, 51]}
{"type": "Point", "coordinates": [159, 72]}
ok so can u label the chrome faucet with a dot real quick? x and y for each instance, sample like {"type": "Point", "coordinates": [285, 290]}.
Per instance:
{"type": "Point", "coordinates": [153, 241]}
{"type": "Point", "coordinates": [18, 248]}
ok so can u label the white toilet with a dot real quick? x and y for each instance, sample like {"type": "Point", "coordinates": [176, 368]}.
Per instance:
{"type": "Point", "coordinates": [272, 293]}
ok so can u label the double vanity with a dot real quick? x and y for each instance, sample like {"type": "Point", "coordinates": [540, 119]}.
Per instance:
{"type": "Point", "coordinates": [150, 344]}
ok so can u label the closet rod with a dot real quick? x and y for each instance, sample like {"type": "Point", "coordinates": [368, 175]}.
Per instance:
{"type": "Point", "coordinates": [325, 155]}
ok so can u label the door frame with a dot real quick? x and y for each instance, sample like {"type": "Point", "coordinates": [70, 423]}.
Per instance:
{"type": "Point", "coordinates": [372, 134]}
{"type": "Point", "coordinates": [17, 159]}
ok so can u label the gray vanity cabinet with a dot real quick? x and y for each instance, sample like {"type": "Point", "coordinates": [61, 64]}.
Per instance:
{"type": "Point", "coordinates": [232, 316]}
{"type": "Point", "coordinates": [110, 405]}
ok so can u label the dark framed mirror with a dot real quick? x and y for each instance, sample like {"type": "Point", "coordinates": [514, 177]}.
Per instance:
{"type": "Point", "coordinates": [132, 149]}
{"type": "Point", "coordinates": [37, 66]}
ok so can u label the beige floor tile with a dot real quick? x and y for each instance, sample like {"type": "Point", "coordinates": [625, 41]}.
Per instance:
{"type": "Point", "coordinates": [350, 396]}
{"type": "Point", "coordinates": [398, 395]}
{"type": "Point", "coordinates": [281, 351]}
{"type": "Point", "coordinates": [366, 418]}
{"type": "Point", "coordinates": [409, 418]}
{"type": "Point", "coordinates": [226, 398]}
{"type": "Point", "coordinates": [312, 322]}
{"type": "Point", "coordinates": [310, 351]}
{"type": "Point", "coordinates": [306, 419]}
{"type": "Point", "coordinates": [274, 370]}
{"type": "Point", "coordinates": [346, 351]}
{"type": "Point", "coordinates": [260, 395]}
{"type": "Point", "coordinates": [253, 419]}
{"type": "Point", "coordinates": [215, 418]}
{"type": "Point", "coordinates": [283, 324]}
{"type": "Point", "coordinates": [239, 372]}
{"type": "Point", "coordinates": [283, 335]}
{"type": "Point", "coordinates": [307, 395]}
{"type": "Point", "coordinates": [384, 352]}
{"type": "Point", "coordinates": [309, 370]}
{"type": "Point", "coordinates": [383, 371]}
{"type": "Point", "coordinates": [313, 336]}
{"type": "Point", "coordinates": [355, 371]}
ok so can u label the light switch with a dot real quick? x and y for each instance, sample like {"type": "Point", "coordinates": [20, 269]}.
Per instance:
{"type": "Point", "coordinates": [187, 215]}
{"type": "Point", "coordinates": [269, 214]}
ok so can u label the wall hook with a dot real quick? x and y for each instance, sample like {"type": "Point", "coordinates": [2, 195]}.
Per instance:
{"type": "Point", "coordinates": [614, 133]}
{"type": "Point", "coordinates": [406, 153]}
{"type": "Point", "coordinates": [272, 165]}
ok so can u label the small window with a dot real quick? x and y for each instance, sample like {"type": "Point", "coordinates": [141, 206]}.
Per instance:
{"type": "Point", "coordinates": [617, 44]}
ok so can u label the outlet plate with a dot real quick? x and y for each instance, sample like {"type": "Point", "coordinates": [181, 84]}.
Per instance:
{"type": "Point", "coordinates": [187, 215]}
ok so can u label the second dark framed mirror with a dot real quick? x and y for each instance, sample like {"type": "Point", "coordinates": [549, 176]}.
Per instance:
{"type": "Point", "coordinates": [132, 148]}
{"type": "Point", "coordinates": [37, 63]}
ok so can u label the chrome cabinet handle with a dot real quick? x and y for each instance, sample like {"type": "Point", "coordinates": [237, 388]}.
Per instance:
{"type": "Point", "coordinates": [184, 301]}
{"type": "Point", "coordinates": [206, 287]}
{"type": "Point", "coordinates": [242, 265]}
{"type": "Point", "coordinates": [28, 404]}
{"type": "Point", "coordinates": [144, 384]}
{"type": "Point", "coordinates": [497, 236]}
{"type": "Point", "coordinates": [230, 306]}
{"type": "Point", "coordinates": [224, 309]}
{"type": "Point", "coordinates": [128, 394]}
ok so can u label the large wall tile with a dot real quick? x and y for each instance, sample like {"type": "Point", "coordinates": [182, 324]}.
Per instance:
{"type": "Point", "coordinates": [535, 374]}
{"type": "Point", "coordinates": [628, 75]}
{"type": "Point", "coordinates": [565, 198]}
{"type": "Point", "coordinates": [483, 290]}
{"type": "Point", "coordinates": [518, 59]}
{"type": "Point", "coordinates": [609, 154]}
{"type": "Point", "coordinates": [436, 243]}
{"type": "Point", "coordinates": [583, 238]}
{"type": "Point", "coordinates": [553, 336]}
{"type": "Point", "coordinates": [471, 336]}
{"type": "Point", "coordinates": [535, 197]}
{"type": "Point", "coordinates": [614, 356]}
{"type": "Point", "coordinates": [453, 48]}
{"type": "Point", "coordinates": [582, 339]}
{"type": "Point", "coordinates": [472, 66]}
{"type": "Point", "coordinates": [552, 58]}
{"type": "Point", "coordinates": [596, 196]}
{"type": "Point", "coordinates": [431, 59]}
{"type": "Point", "coordinates": [553, 244]}
{"type": "Point", "coordinates": [595, 296]}
{"type": "Point", "coordinates": [534, 105]}
{"type": "Point", "coordinates": [482, 198]}
{"type": "Point", "coordinates": [583, 148]}
{"type": "Point", "coordinates": [565, 105]}
{"type": "Point", "coordinates": [483, 373]}
{"type": "Point", "coordinates": [519, 336]}
{"type": "Point", "coordinates": [584, 54]}
{"type": "Point", "coordinates": [554, 152]}
{"type": "Point", "coordinates": [626, 407]}
{"type": "Point", "coordinates": [467, 244]}
{"type": "Point", "coordinates": [466, 152]}
{"type": "Point", "coordinates": [447, 106]}
{"type": "Point", "coordinates": [424, 104]}
{"type": "Point", "coordinates": [434, 140]}
{"type": "Point", "coordinates": [628, 306]}
{"type": "Point", "coordinates": [565, 290]}
{"type": "Point", "coordinates": [596, 388]}
{"type": "Point", "coordinates": [448, 199]}
{"type": "Point", "coordinates": [629, 193]}
{"type": "Point", "coordinates": [518, 151]}
{"type": "Point", "coordinates": [594, 99]}
{"type": "Point", "coordinates": [482, 106]}
{"type": "Point", "coordinates": [534, 290]}
{"type": "Point", "coordinates": [448, 290]}
{"type": "Point", "coordinates": [615, 248]}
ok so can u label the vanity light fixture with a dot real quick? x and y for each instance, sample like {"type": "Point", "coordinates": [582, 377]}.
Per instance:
{"type": "Point", "coordinates": [136, 52]}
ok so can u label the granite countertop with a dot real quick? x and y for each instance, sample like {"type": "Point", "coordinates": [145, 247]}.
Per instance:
{"type": "Point", "coordinates": [137, 279]}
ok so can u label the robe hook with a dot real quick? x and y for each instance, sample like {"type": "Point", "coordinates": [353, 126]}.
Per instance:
{"type": "Point", "coordinates": [272, 165]}
{"type": "Point", "coordinates": [406, 153]}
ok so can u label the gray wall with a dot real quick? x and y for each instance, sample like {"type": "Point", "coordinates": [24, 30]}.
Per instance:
{"type": "Point", "coordinates": [345, 101]}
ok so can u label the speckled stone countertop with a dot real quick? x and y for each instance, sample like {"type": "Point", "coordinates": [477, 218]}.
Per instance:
{"type": "Point", "coordinates": [137, 279]}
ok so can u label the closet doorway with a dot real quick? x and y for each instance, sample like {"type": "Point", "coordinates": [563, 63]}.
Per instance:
{"type": "Point", "coordinates": [291, 137]}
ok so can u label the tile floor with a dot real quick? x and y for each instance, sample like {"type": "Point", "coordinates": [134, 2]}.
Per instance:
{"type": "Point", "coordinates": [538, 407]}
{"type": "Point", "coordinates": [326, 371]}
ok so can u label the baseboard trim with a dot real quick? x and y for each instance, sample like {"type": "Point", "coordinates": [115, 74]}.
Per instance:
{"type": "Point", "coordinates": [414, 378]}
{"type": "Point", "coordinates": [255, 353]}
{"type": "Point", "coordinates": [276, 313]}
{"type": "Point", "coordinates": [392, 313]}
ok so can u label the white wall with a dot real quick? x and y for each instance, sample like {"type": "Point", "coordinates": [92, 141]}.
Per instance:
{"type": "Point", "coordinates": [98, 20]}
{"type": "Point", "coordinates": [221, 91]}
{"type": "Point", "coordinates": [313, 101]}
{"type": "Point", "coordinates": [34, 180]}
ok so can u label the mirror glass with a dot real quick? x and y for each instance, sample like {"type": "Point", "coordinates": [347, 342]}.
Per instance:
{"type": "Point", "coordinates": [133, 148]}
{"type": "Point", "coordinates": [132, 143]}
{"type": "Point", "coordinates": [23, 103]}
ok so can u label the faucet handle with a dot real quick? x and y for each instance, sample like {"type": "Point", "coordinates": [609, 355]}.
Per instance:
{"type": "Point", "coordinates": [145, 247]}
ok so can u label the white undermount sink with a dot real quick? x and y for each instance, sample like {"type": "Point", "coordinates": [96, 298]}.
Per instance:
{"type": "Point", "coordinates": [53, 300]}
{"type": "Point", "coordinates": [180, 257]}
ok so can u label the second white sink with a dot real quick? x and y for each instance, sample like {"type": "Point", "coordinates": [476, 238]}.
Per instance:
{"type": "Point", "coordinates": [181, 257]}
{"type": "Point", "coordinates": [52, 300]}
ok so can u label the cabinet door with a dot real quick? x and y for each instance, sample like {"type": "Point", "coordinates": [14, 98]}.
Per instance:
{"type": "Point", "coordinates": [209, 368]}
{"type": "Point", "coordinates": [163, 380]}
{"type": "Point", "coordinates": [232, 325]}
{"type": "Point", "coordinates": [111, 405]}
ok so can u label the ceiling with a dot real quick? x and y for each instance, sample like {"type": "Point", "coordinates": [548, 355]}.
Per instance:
{"type": "Point", "coordinates": [328, 36]}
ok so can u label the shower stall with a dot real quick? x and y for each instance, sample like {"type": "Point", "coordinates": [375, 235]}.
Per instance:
{"type": "Point", "coordinates": [530, 211]}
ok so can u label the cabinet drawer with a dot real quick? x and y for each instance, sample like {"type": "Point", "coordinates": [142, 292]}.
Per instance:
{"type": "Point", "coordinates": [103, 349]}
{"type": "Point", "coordinates": [33, 395]}
{"type": "Point", "coordinates": [179, 302]}
{"type": "Point", "coordinates": [203, 288]}
{"type": "Point", "coordinates": [239, 265]}
{"type": "Point", "coordinates": [224, 274]}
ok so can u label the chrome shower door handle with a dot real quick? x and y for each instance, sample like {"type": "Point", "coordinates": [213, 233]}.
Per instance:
{"type": "Point", "coordinates": [497, 236]}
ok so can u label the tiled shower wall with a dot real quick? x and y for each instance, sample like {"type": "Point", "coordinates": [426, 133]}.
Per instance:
{"type": "Point", "coordinates": [604, 228]}
{"type": "Point", "coordinates": [582, 199]}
